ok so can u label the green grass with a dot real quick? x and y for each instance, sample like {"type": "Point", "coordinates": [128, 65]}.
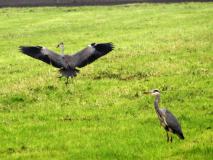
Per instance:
{"type": "Point", "coordinates": [103, 113]}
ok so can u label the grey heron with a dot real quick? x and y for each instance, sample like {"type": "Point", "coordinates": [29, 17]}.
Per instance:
{"type": "Point", "coordinates": [68, 64]}
{"type": "Point", "coordinates": [167, 119]}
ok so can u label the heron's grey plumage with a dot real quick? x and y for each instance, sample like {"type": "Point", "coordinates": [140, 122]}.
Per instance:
{"type": "Point", "coordinates": [167, 119]}
{"type": "Point", "coordinates": [68, 64]}
{"type": "Point", "coordinates": [173, 124]}
{"type": "Point", "coordinates": [44, 55]}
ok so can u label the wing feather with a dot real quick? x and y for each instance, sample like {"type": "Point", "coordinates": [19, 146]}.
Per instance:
{"type": "Point", "coordinates": [173, 123]}
{"type": "Point", "coordinates": [90, 54]}
{"type": "Point", "coordinates": [44, 55]}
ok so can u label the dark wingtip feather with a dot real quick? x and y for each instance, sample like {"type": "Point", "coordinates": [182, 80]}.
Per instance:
{"type": "Point", "coordinates": [110, 45]}
{"type": "Point", "coordinates": [29, 50]}
{"type": "Point", "coordinates": [22, 48]}
{"type": "Point", "coordinates": [104, 47]}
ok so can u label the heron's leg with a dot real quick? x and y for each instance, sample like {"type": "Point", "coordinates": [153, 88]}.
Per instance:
{"type": "Point", "coordinates": [167, 136]}
{"type": "Point", "coordinates": [67, 81]}
{"type": "Point", "coordinates": [171, 139]}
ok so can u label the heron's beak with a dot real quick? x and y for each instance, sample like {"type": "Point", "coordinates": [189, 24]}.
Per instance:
{"type": "Point", "coordinates": [146, 92]}
{"type": "Point", "coordinates": [57, 46]}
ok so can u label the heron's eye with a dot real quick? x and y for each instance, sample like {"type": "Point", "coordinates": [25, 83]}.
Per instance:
{"type": "Point", "coordinates": [156, 90]}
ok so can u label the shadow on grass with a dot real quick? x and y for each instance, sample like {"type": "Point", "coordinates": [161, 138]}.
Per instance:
{"type": "Point", "coordinates": [196, 152]}
{"type": "Point", "coordinates": [68, 118]}
{"type": "Point", "coordinates": [13, 101]}
{"type": "Point", "coordinates": [124, 76]}
{"type": "Point", "coordinates": [12, 150]}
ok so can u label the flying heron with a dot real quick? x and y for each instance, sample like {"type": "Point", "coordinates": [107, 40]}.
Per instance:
{"type": "Point", "coordinates": [68, 64]}
{"type": "Point", "coordinates": [167, 119]}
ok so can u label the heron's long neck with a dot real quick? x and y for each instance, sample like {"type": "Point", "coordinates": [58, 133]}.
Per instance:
{"type": "Point", "coordinates": [156, 103]}
{"type": "Point", "coordinates": [62, 50]}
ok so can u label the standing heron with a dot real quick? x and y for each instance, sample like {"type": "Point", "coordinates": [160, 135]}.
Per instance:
{"type": "Point", "coordinates": [68, 64]}
{"type": "Point", "coordinates": [167, 119]}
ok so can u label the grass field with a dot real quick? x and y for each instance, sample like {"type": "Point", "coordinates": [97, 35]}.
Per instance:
{"type": "Point", "coordinates": [103, 113]}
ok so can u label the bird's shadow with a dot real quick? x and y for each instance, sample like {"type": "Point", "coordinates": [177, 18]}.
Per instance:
{"type": "Point", "coordinates": [122, 76]}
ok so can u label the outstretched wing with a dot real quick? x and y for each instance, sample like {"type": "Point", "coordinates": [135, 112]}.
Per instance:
{"type": "Point", "coordinates": [173, 123]}
{"type": "Point", "coordinates": [89, 54]}
{"type": "Point", "coordinates": [44, 55]}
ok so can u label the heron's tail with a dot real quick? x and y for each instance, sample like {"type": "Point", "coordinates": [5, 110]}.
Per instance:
{"type": "Point", "coordinates": [69, 72]}
{"type": "Point", "coordinates": [181, 136]}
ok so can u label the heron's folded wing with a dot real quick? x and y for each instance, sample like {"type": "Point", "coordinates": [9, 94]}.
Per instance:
{"type": "Point", "coordinates": [172, 122]}
{"type": "Point", "coordinates": [44, 55]}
